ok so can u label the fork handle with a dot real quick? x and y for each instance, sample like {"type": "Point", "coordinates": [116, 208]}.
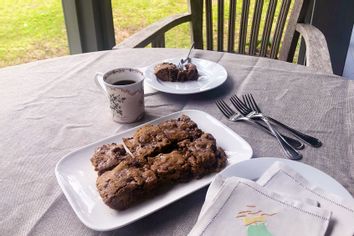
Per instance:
{"type": "Point", "coordinates": [293, 142]}
{"type": "Point", "coordinates": [290, 152]}
{"type": "Point", "coordinates": [314, 142]}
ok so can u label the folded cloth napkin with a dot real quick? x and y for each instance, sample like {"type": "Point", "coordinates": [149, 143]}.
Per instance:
{"type": "Point", "coordinates": [282, 179]}
{"type": "Point", "coordinates": [242, 207]}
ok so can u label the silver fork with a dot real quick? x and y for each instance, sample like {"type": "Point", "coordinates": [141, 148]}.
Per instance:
{"type": "Point", "coordinates": [290, 152]}
{"type": "Point", "coordinates": [234, 116]}
{"type": "Point", "coordinates": [188, 59]}
{"type": "Point", "coordinates": [251, 102]}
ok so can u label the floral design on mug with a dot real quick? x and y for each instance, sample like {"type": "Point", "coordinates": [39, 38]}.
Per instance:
{"type": "Point", "coordinates": [116, 101]}
{"type": "Point", "coordinates": [126, 101]}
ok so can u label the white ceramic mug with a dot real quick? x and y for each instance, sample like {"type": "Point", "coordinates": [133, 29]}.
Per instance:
{"type": "Point", "coordinates": [124, 88]}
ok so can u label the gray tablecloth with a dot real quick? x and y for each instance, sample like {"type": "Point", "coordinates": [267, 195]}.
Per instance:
{"type": "Point", "coordinates": [51, 107]}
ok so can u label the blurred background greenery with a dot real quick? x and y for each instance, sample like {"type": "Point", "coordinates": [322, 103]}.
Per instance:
{"type": "Point", "coordinates": [34, 29]}
{"type": "Point", "coordinates": [31, 30]}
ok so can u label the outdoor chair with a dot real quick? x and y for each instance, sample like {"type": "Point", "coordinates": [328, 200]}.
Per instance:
{"type": "Point", "coordinates": [278, 39]}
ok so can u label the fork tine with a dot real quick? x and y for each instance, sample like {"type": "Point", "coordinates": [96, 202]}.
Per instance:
{"type": "Point", "coordinates": [254, 103]}
{"type": "Point", "coordinates": [240, 106]}
{"type": "Point", "coordinates": [237, 106]}
{"type": "Point", "coordinates": [247, 101]}
{"type": "Point", "coordinates": [221, 109]}
{"type": "Point", "coordinates": [250, 103]}
{"type": "Point", "coordinates": [227, 108]}
{"type": "Point", "coordinates": [224, 108]}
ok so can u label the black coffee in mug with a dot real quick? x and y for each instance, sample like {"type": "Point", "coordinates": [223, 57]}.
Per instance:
{"type": "Point", "coordinates": [123, 82]}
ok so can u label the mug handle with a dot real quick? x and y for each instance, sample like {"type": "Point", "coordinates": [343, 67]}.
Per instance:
{"type": "Point", "coordinates": [99, 82]}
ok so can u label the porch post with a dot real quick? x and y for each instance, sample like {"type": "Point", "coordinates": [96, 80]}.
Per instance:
{"type": "Point", "coordinates": [89, 25]}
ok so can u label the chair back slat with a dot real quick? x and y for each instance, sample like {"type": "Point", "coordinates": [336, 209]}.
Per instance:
{"type": "Point", "coordinates": [289, 43]}
{"type": "Point", "coordinates": [257, 27]}
{"type": "Point", "coordinates": [243, 26]}
{"type": "Point", "coordinates": [268, 27]}
{"type": "Point", "coordinates": [232, 21]}
{"type": "Point", "coordinates": [209, 24]}
{"type": "Point", "coordinates": [279, 28]}
{"type": "Point", "coordinates": [220, 25]}
{"type": "Point", "coordinates": [258, 7]}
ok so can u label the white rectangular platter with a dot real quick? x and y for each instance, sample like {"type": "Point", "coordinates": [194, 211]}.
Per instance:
{"type": "Point", "coordinates": [77, 178]}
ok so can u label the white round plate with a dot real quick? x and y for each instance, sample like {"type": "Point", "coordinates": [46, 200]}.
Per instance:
{"type": "Point", "coordinates": [211, 75]}
{"type": "Point", "coordinates": [253, 169]}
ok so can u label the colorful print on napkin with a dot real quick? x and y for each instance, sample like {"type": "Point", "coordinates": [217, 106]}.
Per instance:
{"type": "Point", "coordinates": [255, 221]}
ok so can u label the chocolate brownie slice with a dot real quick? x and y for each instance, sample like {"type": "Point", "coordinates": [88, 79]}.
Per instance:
{"type": "Point", "coordinates": [122, 187]}
{"type": "Point", "coordinates": [166, 71]}
{"type": "Point", "coordinates": [147, 141]}
{"type": "Point", "coordinates": [174, 151]}
{"type": "Point", "coordinates": [221, 159]}
{"type": "Point", "coordinates": [171, 167]}
{"type": "Point", "coordinates": [203, 155]}
{"type": "Point", "coordinates": [190, 73]}
{"type": "Point", "coordinates": [170, 72]}
{"type": "Point", "coordinates": [179, 129]}
{"type": "Point", "coordinates": [108, 156]}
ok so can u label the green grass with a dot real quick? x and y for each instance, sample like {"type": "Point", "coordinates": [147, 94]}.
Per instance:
{"type": "Point", "coordinates": [131, 16]}
{"type": "Point", "coordinates": [34, 29]}
{"type": "Point", "coordinates": [31, 30]}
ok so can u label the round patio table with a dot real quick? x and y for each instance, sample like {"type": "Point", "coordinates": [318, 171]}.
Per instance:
{"type": "Point", "coordinates": [52, 107]}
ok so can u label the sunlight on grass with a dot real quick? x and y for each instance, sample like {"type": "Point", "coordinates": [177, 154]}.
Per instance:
{"type": "Point", "coordinates": [31, 30]}
{"type": "Point", "coordinates": [131, 16]}
{"type": "Point", "coordinates": [34, 29]}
